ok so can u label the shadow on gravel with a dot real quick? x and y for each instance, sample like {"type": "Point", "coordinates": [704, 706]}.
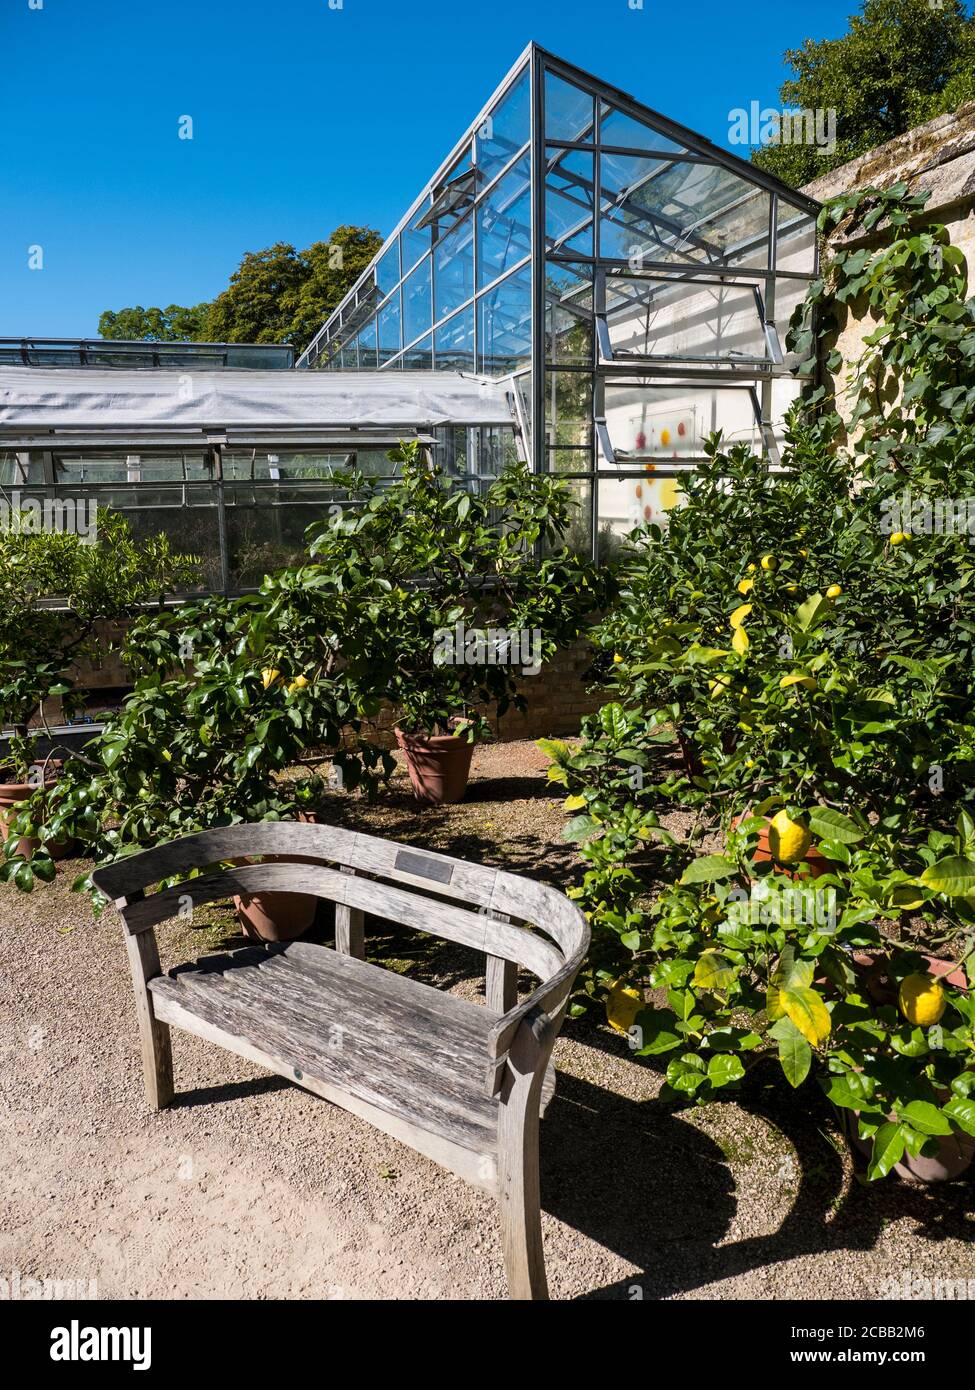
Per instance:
{"type": "Point", "coordinates": [640, 1181]}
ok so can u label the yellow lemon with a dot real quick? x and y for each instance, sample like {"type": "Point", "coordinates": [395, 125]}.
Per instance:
{"type": "Point", "coordinates": [769, 562]}
{"type": "Point", "coordinates": [899, 537]}
{"type": "Point", "coordinates": [803, 553]}
{"type": "Point", "coordinates": [752, 569]}
{"type": "Point", "coordinates": [622, 1006]}
{"type": "Point", "coordinates": [787, 839]}
{"type": "Point", "coordinates": [269, 675]}
{"type": "Point", "coordinates": [298, 683]}
{"type": "Point", "coordinates": [833, 591]}
{"type": "Point", "coordinates": [745, 586]}
{"type": "Point", "coordinates": [922, 1000]}
{"type": "Point", "coordinates": [617, 658]}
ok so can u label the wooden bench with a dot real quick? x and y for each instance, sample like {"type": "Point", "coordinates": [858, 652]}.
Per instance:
{"type": "Point", "coordinates": [462, 1083]}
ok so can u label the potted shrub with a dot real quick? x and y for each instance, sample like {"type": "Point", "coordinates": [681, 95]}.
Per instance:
{"type": "Point", "coordinates": [102, 576]}
{"type": "Point", "coordinates": [453, 596]}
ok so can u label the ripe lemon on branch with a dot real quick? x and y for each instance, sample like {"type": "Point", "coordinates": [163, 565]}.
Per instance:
{"type": "Point", "coordinates": [922, 999]}
{"type": "Point", "coordinates": [789, 840]}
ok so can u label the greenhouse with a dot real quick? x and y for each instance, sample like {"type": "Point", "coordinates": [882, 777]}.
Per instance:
{"type": "Point", "coordinates": [583, 284]}
{"type": "Point", "coordinates": [633, 280]}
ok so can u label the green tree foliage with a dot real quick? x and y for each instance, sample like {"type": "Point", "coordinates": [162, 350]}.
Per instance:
{"type": "Point", "coordinates": [901, 63]}
{"type": "Point", "coordinates": [278, 295]}
{"type": "Point", "coordinates": [175, 324]}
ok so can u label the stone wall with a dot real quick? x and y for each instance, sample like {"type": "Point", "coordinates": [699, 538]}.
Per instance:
{"type": "Point", "coordinates": [937, 158]}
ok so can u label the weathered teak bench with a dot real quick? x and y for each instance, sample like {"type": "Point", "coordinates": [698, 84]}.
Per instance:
{"type": "Point", "coordinates": [460, 1082]}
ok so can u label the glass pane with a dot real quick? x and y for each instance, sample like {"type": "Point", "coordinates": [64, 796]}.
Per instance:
{"type": "Point", "coordinates": [505, 324]}
{"type": "Point", "coordinates": [455, 343]}
{"type": "Point", "coordinates": [417, 303]}
{"type": "Point", "coordinates": [569, 111]}
{"type": "Point", "coordinates": [570, 460]}
{"type": "Point", "coordinates": [578, 537]}
{"type": "Point", "coordinates": [569, 203]}
{"type": "Point", "coordinates": [390, 340]}
{"type": "Point", "coordinates": [796, 236]}
{"type": "Point", "coordinates": [568, 313]}
{"type": "Point", "coordinates": [420, 357]}
{"type": "Point", "coordinates": [670, 423]}
{"type": "Point", "coordinates": [568, 408]}
{"type": "Point", "coordinates": [741, 233]}
{"type": "Point", "coordinates": [627, 503]}
{"type": "Point", "coordinates": [660, 210]}
{"type": "Point", "coordinates": [789, 294]}
{"type": "Point", "coordinates": [387, 271]}
{"type": "Point", "coordinates": [618, 129]}
{"type": "Point", "coordinates": [505, 131]}
{"type": "Point", "coordinates": [415, 241]}
{"type": "Point", "coordinates": [454, 272]}
{"type": "Point", "coordinates": [504, 224]}
{"type": "Point", "coordinates": [367, 347]}
{"type": "Point", "coordinates": [693, 320]}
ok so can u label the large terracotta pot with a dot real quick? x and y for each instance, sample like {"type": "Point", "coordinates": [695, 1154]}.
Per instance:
{"type": "Point", "coordinates": [956, 1152]}
{"type": "Point", "coordinates": [952, 1160]}
{"type": "Point", "coordinates": [13, 794]}
{"type": "Point", "coordinates": [278, 916]}
{"type": "Point", "coordinates": [439, 766]}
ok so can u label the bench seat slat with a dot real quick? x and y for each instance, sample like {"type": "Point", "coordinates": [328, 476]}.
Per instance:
{"type": "Point", "coordinates": [418, 1066]}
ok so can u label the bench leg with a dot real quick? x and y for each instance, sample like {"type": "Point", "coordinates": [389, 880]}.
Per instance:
{"type": "Point", "coordinates": [157, 1053]}
{"type": "Point", "coordinates": [518, 1188]}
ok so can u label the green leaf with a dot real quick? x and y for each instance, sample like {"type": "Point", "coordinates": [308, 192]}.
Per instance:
{"type": "Point", "coordinates": [850, 1091]}
{"type": "Point", "coordinates": [924, 1117]}
{"type": "Point", "coordinates": [710, 868]}
{"type": "Point", "coordinates": [955, 876]}
{"type": "Point", "coordinates": [714, 971]}
{"type": "Point", "coordinates": [888, 1149]}
{"type": "Point", "coordinates": [827, 824]}
{"type": "Point", "coordinates": [962, 1112]}
{"type": "Point", "coordinates": [686, 1073]}
{"type": "Point", "coordinates": [795, 1054]}
{"type": "Point", "coordinates": [724, 1069]}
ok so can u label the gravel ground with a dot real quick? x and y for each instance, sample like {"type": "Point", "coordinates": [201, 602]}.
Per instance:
{"type": "Point", "coordinates": [248, 1187]}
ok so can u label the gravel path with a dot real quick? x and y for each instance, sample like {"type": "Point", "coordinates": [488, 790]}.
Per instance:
{"type": "Point", "coordinates": [249, 1187]}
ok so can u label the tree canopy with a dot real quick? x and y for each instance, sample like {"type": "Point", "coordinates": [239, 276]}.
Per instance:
{"type": "Point", "coordinates": [901, 63]}
{"type": "Point", "coordinates": [278, 295]}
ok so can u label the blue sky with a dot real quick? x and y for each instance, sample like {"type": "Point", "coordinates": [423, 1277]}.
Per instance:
{"type": "Point", "coordinates": [304, 117]}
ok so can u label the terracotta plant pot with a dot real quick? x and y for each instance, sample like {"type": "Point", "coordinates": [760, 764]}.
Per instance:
{"type": "Point", "coordinates": [873, 966]}
{"type": "Point", "coordinates": [439, 766]}
{"type": "Point", "coordinates": [952, 1160]}
{"type": "Point", "coordinates": [956, 1152]}
{"type": "Point", "coordinates": [11, 795]}
{"type": "Point", "coordinates": [278, 916]}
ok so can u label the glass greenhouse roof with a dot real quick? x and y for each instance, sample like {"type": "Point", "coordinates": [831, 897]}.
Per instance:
{"type": "Point", "coordinates": [633, 279]}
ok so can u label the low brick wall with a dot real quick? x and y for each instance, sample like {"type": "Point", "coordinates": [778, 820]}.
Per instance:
{"type": "Point", "coordinates": [558, 700]}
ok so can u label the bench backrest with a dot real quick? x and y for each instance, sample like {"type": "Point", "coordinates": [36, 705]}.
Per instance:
{"type": "Point", "coordinates": [474, 905]}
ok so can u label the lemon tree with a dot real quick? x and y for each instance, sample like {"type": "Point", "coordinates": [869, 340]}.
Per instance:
{"type": "Point", "coordinates": [793, 659]}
